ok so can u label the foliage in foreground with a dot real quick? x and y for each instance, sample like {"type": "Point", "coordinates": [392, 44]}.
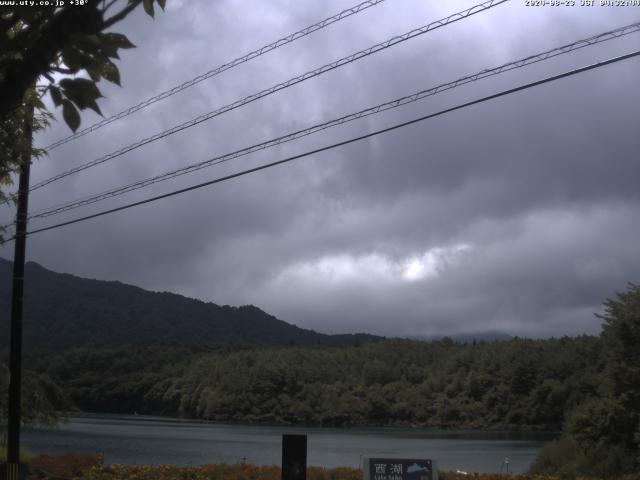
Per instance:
{"type": "Point", "coordinates": [69, 465]}
{"type": "Point", "coordinates": [83, 467]}
{"type": "Point", "coordinates": [38, 43]}
{"type": "Point", "coordinates": [25, 454]}
{"type": "Point", "coordinates": [43, 400]}
{"type": "Point", "coordinates": [601, 437]}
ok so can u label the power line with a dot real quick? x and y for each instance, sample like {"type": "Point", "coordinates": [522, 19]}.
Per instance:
{"type": "Point", "coordinates": [345, 142]}
{"type": "Point", "coordinates": [222, 68]}
{"type": "Point", "coordinates": [256, 96]}
{"type": "Point", "coordinates": [49, 211]}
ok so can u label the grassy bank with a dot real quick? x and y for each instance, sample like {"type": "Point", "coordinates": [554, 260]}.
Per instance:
{"type": "Point", "coordinates": [78, 466]}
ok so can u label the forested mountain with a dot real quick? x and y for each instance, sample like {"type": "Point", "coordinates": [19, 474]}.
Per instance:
{"type": "Point", "coordinates": [113, 348]}
{"type": "Point", "coordinates": [64, 311]}
{"type": "Point", "coordinates": [108, 347]}
{"type": "Point", "coordinates": [121, 349]}
{"type": "Point", "coordinates": [516, 383]}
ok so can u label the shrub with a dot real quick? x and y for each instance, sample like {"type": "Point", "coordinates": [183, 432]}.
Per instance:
{"type": "Point", "coordinates": [560, 457]}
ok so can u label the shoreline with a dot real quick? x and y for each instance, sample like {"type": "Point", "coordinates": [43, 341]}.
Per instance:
{"type": "Point", "coordinates": [499, 428]}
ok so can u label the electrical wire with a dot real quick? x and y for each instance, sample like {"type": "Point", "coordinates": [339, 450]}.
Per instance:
{"type": "Point", "coordinates": [616, 33]}
{"type": "Point", "coordinates": [222, 68]}
{"type": "Point", "coordinates": [281, 86]}
{"type": "Point", "coordinates": [345, 142]}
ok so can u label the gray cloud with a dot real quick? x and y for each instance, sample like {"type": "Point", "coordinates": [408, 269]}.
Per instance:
{"type": "Point", "coordinates": [516, 215]}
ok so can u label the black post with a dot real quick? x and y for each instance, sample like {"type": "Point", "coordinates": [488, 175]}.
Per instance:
{"type": "Point", "coordinates": [15, 352]}
{"type": "Point", "coordinates": [294, 457]}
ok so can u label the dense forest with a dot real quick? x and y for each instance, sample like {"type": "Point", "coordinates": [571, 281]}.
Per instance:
{"type": "Point", "coordinates": [517, 383]}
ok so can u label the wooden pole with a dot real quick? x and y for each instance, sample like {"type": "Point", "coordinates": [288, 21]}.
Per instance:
{"type": "Point", "coordinates": [294, 457]}
{"type": "Point", "coordinates": [15, 352]}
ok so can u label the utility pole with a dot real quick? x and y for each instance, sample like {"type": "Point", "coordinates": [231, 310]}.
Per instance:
{"type": "Point", "coordinates": [15, 351]}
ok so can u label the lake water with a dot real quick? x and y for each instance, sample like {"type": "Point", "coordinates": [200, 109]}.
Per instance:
{"type": "Point", "coordinates": [158, 440]}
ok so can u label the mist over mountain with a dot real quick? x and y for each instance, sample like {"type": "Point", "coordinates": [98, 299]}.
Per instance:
{"type": "Point", "coordinates": [64, 311]}
{"type": "Point", "coordinates": [486, 336]}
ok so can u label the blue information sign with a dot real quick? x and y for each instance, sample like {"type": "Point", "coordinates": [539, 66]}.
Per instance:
{"type": "Point", "coordinates": [399, 469]}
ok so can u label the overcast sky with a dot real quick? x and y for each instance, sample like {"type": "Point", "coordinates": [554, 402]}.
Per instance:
{"type": "Point", "coordinates": [518, 215]}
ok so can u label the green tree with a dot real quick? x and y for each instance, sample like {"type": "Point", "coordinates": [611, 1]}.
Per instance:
{"type": "Point", "coordinates": [68, 43]}
{"type": "Point", "coordinates": [14, 142]}
{"type": "Point", "coordinates": [42, 403]}
{"type": "Point", "coordinates": [603, 432]}
{"type": "Point", "coordinates": [621, 336]}
{"type": "Point", "coordinates": [67, 40]}
{"type": "Point", "coordinates": [37, 43]}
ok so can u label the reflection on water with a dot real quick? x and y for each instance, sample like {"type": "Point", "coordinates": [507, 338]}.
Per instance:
{"type": "Point", "coordinates": [157, 440]}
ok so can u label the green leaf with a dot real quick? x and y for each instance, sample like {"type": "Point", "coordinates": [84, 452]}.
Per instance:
{"type": "Point", "coordinates": [110, 72]}
{"type": "Point", "coordinates": [111, 52]}
{"type": "Point", "coordinates": [148, 7]}
{"type": "Point", "coordinates": [88, 43]}
{"type": "Point", "coordinates": [94, 106]}
{"type": "Point", "coordinates": [162, 3]}
{"type": "Point", "coordinates": [116, 40]}
{"type": "Point", "coordinates": [56, 96]}
{"type": "Point", "coordinates": [80, 89]}
{"type": "Point", "coordinates": [82, 92]}
{"type": "Point", "coordinates": [38, 104]}
{"type": "Point", "coordinates": [75, 59]}
{"type": "Point", "coordinates": [94, 71]}
{"type": "Point", "coordinates": [108, 46]}
{"type": "Point", "coordinates": [70, 115]}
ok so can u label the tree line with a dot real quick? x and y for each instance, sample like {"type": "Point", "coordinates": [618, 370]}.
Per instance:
{"type": "Point", "coordinates": [517, 383]}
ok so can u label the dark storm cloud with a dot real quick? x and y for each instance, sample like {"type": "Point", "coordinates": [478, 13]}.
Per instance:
{"type": "Point", "coordinates": [514, 215]}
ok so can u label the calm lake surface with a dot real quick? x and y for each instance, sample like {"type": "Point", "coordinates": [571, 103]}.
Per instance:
{"type": "Point", "coordinates": [158, 440]}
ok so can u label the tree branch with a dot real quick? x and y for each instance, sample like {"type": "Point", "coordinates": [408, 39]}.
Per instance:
{"type": "Point", "coordinates": [108, 5]}
{"type": "Point", "coordinates": [42, 51]}
{"type": "Point", "coordinates": [8, 22]}
{"type": "Point", "coordinates": [66, 71]}
{"type": "Point", "coordinates": [121, 14]}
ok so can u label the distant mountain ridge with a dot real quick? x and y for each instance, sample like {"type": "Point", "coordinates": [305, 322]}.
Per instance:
{"type": "Point", "coordinates": [484, 336]}
{"type": "Point", "coordinates": [65, 311]}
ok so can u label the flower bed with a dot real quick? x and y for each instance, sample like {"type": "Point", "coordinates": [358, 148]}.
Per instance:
{"type": "Point", "coordinates": [84, 467]}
